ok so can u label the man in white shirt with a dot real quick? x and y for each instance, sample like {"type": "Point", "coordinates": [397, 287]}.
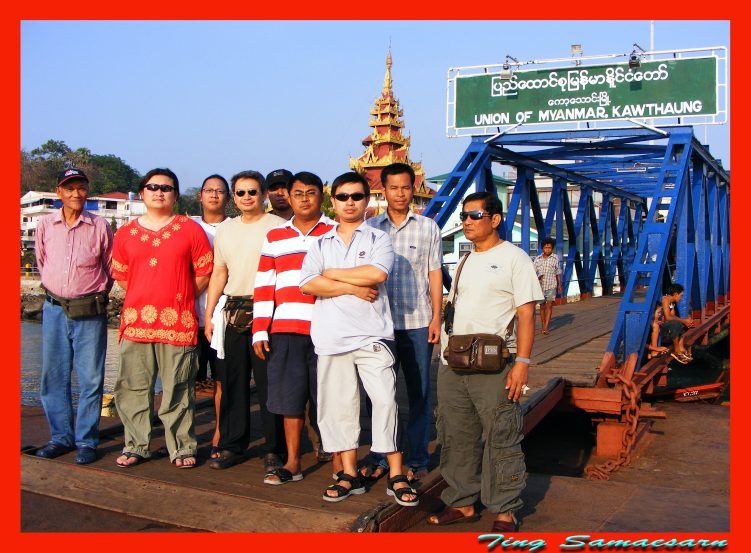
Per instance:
{"type": "Point", "coordinates": [214, 195]}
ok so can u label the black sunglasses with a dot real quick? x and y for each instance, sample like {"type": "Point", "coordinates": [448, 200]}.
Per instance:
{"type": "Point", "coordinates": [241, 193]}
{"type": "Point", "coordinates": [474, 215]}
{"type": "Point", "coordinates": [161, 187]}
{"type": "Point", "coordinates": [343, 196]}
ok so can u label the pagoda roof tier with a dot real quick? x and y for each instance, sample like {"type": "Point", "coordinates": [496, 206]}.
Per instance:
{"type": "Point", "coordinates": [389, 110]}
{"type": "Point", "coordinates": [388, 122]}
{"type": "Point", "coordinates": [389, 137]}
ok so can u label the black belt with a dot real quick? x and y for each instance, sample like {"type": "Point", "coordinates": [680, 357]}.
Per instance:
{"type": "Point", "coordinates": [53, 301]}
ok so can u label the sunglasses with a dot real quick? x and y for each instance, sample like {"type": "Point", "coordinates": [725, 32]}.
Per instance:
{"type": "Point", "coordinates": [241, 193]}
{"type": "Point", "coordinates": [343, 196]}
{"type": "Point", "coordinates": [474, 215]}
{"type": "Point", "coordinates": [161, 187]}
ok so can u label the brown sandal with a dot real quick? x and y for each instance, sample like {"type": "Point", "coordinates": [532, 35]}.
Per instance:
{"type": "Point", "coordinates": [451, 515]}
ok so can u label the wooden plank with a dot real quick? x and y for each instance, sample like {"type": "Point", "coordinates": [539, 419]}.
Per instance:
{"type": "Point", "coordinates": [172, 503]}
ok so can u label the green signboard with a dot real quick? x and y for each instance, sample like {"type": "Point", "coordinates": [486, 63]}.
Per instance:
{"type": "Point", "coordinates": [665, 88]}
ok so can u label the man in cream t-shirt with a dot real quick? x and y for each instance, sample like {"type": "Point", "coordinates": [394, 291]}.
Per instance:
{"type": "Point", "coordinates": [497, 284]}
{"type": "Point", "coordinates": [237, 249]}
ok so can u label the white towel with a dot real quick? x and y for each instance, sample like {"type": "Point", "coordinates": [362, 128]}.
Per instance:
{"type": "Point", "coordinates": [220, 323]}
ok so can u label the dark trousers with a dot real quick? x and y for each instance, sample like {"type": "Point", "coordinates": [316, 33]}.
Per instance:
{"type": "Point", "coordinates": [206, 358]}
{"type": "Point", "coordinates": [234, 409]}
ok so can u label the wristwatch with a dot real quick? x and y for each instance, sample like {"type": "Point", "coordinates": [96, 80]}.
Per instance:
{"type": "Point", "coordinates": [526, 360]}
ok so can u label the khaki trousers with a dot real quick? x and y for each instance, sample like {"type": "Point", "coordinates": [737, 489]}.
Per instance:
{"type": "Point", "coordinates": [480, 432]}
{"type": "Point", "coordinates": [140, 363]}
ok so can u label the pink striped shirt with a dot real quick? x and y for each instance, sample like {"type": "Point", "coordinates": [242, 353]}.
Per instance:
{"type": "Point", "coordinates": [74, 262]}
{"type": "Point", "coordinates": [277, 299]}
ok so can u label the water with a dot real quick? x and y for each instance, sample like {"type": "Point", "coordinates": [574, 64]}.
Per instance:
{"type": "Point", "coordinates": [31, 363]}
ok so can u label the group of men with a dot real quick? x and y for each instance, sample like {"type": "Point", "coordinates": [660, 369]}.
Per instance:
{"type": "Point", "coordinates": [307, 306]}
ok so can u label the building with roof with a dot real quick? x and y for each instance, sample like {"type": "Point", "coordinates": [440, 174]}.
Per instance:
{"type": "Point", "coordinates": [119, 207]}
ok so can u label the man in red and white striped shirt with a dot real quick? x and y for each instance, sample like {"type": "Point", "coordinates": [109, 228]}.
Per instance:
{"type": "Point", "coordinates": [282, 310]}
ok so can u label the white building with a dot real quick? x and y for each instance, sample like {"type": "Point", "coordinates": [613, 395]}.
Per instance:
{"type": "Point", "coordinates": [120, 206]}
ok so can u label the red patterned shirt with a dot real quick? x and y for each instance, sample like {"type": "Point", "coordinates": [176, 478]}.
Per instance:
{"type": "Point", "coordinates": [277, 293]}
{"type": "Point", "coordinates": [160, 268]}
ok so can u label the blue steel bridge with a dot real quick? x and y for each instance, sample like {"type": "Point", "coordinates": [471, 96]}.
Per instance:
{"type": "Point", "coordinates": [653, 207]}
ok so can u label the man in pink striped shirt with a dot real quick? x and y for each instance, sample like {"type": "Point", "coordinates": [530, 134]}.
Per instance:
{"type": "Point", "coordinates": [282, 307]}
{"type": "Point", "coordinates": [74, 255]}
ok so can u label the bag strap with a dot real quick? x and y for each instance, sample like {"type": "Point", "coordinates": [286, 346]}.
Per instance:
{"type": "Point", "coordinates": [458, 274]}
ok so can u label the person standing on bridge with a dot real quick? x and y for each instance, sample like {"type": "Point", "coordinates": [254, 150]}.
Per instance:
{"type": "Point", "coordinates": [353, 335]}
{"type": "Point", "coordinates": [415, 292]}
{"type": "Point", "coordinates": [548, 268]}
{"type": "Point", "coordinates": [162, 261]}
{"type": "Point", "coordinates": [277, 182]}
{"type": "Point", "coordinates": [214, 196]}
{"type": "Point", "coordinates": [479, 417]}
{"type": "Point", "coordinates": [74, 254]}
{"type": "Point", "coordinates": [282, 310]}
{"type": "Point", "coordinates": [228, 322]}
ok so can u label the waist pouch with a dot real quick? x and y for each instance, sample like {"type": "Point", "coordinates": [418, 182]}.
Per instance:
{"type": "Point", "coordinates": [80, 308]}
{"type": "Point", "coordinates": [476, 353]}
{"type": "Point", "coordinates": [239, 312]}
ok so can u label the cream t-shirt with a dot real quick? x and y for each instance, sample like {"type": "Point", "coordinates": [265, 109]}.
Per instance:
{"type": "Point", "coordinates": [237, 246]}
{"type": "Point", "coordinates": [492, 285]}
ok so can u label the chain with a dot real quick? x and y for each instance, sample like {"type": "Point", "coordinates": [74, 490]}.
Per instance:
{"type": "Point", "coordinates": [631, 406]}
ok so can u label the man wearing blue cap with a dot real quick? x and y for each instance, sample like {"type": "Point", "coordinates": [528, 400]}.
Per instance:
{"type": "Point", "coordinates": [74, 254]}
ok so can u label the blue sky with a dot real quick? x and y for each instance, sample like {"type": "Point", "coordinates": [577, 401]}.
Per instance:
{"type": "Point", "coordinates": [205, 97]}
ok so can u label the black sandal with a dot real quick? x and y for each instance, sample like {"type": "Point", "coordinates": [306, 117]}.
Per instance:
{"type": "Point", "coordinates": [398, 493]}
{"type": "Point", "coordinates": [282, 477]}
{"type": "Point", "coordinates": [130, 455]}
{"type": "Point", "coordinates": [342, 493]}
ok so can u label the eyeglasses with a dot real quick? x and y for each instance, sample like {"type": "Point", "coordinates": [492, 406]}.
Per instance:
{"type": "Point", "coordinates": [217, 191]}
{"type": "Point", "coordinates": [343, 196]}
{"type": "Point", "coordinates": [299, 195]}
{"type": "Point", "coordinates": [474, 215]}
{"type": "Point", "coordinates": [241, 193]}
{"type": "Point", "coordinates": [161, 187]}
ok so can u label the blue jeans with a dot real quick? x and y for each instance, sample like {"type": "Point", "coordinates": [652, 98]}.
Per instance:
{"type": "Point", "coordinates": [413, 356]}
{"type": "Point", "coordinates": [69, 344]}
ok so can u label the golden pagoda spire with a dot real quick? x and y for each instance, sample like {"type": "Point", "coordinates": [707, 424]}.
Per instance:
{"type": "Point", "coordinates": [387, 77]}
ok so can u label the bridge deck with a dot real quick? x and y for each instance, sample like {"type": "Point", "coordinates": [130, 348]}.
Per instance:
{"type": "Point", "coordinates": [237, 500]}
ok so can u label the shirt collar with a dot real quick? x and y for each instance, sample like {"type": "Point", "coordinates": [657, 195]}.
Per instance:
{"type": "Point", "coordinates": [384, 217]}
{"type": "Point", "coordinates": [323, 219]}
{"type": "Point", "coordinates": [364, 227]}
{"type": "Point", "coordinates": [85, 217]}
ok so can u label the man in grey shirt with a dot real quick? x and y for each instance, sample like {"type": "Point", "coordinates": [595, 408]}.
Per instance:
{"type": "Point", "coordinates": [352, 331]}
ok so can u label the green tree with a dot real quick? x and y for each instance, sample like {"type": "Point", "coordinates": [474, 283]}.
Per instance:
{"type": "Point", "coordinates": [106, 172]}
{"type": "Point", "coordinates": [188, 203]}
{"type": "Point", "coordinates": [327, 207]}
{"type": "Point", "coordinates": [113, 224]}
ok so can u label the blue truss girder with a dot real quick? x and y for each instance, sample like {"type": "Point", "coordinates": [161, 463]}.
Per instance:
{"type": "Point", "coordinates": [684, 225]}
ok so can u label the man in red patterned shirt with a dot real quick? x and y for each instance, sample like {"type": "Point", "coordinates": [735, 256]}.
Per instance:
{"type": "Point", "coordinates": [281, 305]}
{"type": "Point", "coordinates": [163, 261]}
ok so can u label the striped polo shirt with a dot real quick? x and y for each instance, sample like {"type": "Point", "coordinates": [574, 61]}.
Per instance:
{"type": "Point", "coordinates": [277, 301]}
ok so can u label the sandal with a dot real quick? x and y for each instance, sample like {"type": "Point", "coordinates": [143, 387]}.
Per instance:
{"type": "Point", "coordinates": [452, 515]}
{"type": "Point", "coordinates": [182, 459]}
{"type": "Point", "coordinates": [342, 493]}
{"type": "Point", "coordinates": [216, 452]}
{"type": "Point", "coordinates": [130, 455]}
{"type": "Point", "coordinates": [282, 477]}
{"type": "Point", "coordinates": [680, 358]}
{"type": "Point", "coordinates": [399, 493]}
